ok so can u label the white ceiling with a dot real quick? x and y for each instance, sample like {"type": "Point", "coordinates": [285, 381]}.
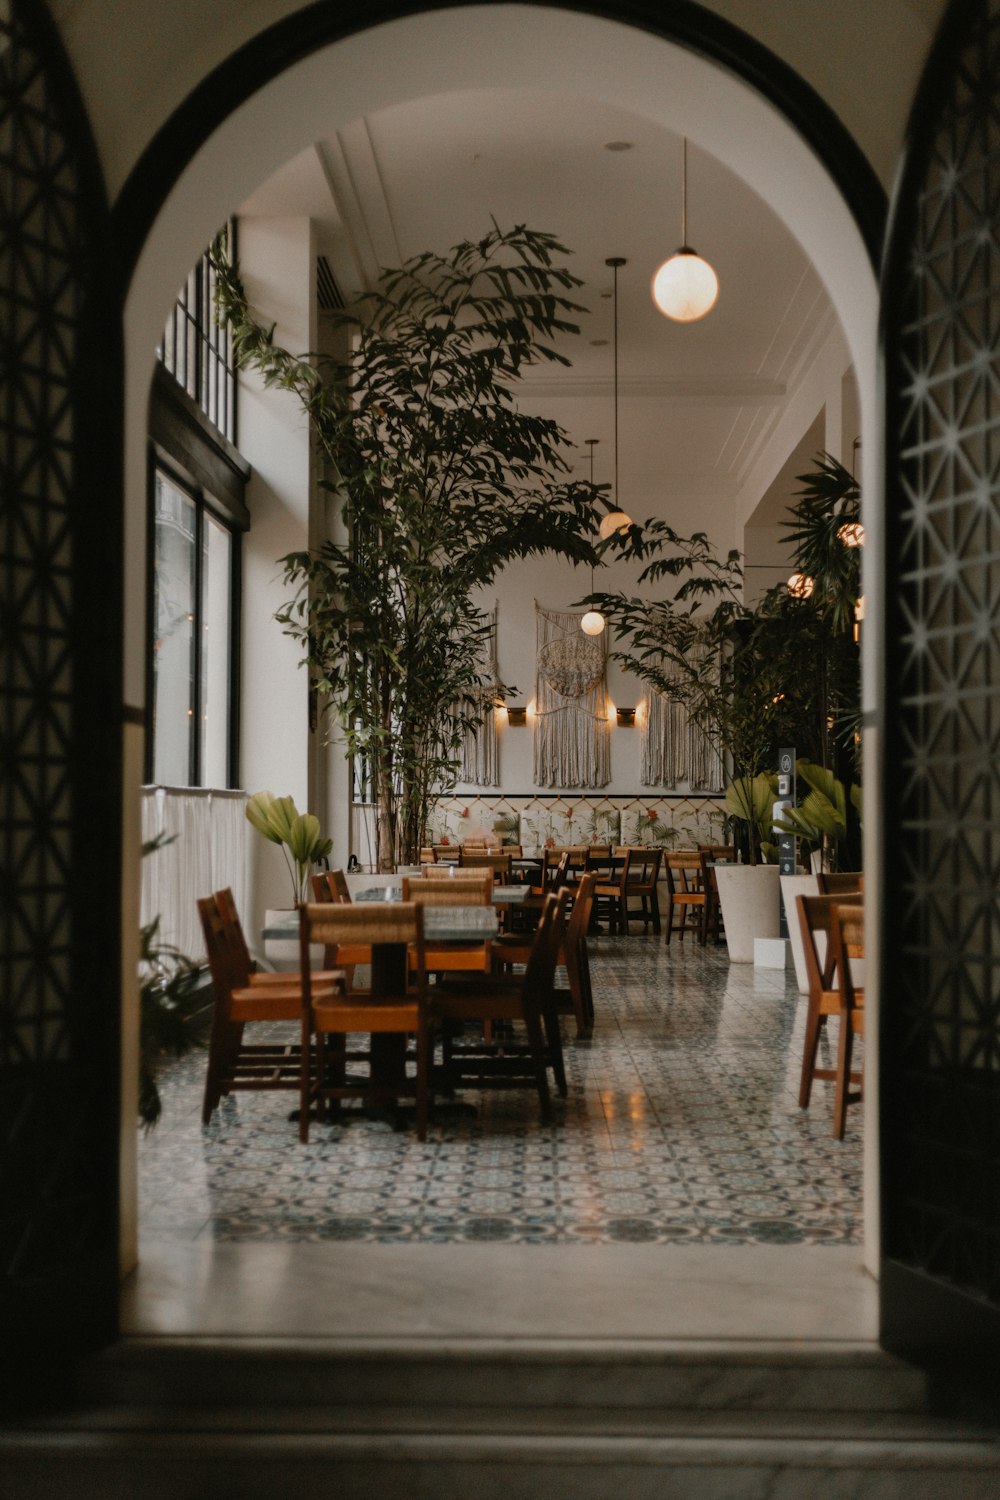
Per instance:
{"type": "Point", "coordinates": [697, 402]}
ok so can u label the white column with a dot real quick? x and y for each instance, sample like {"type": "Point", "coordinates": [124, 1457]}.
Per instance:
{"type": "Point", "coordinates": [277, 263]}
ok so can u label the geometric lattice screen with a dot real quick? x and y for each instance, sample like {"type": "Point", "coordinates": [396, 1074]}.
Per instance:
{"type": "Point", "coordinates": [54, 1219]}
{"type": "Point", "coordinates": [941, 1040]}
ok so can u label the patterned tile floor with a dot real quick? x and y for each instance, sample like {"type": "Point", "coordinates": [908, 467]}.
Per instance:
{"type": "Point", "coordinates": [681, 1127]}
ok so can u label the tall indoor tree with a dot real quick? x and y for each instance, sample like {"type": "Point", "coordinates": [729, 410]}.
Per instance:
{"type": "Point", "coordinates": [444, 481]}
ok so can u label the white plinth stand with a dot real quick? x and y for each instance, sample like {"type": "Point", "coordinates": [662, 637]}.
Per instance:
{"type": "Point", "coordinates": [771, 953]}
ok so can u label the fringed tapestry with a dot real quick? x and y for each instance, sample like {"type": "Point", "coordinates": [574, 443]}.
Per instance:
{"type": "Point", "coordinates": [664, 741]}
{"type": "Point", "coordinates": [673, 751]}
{"type": "Point", "coordinates": [480, 764]}
{"type": "Point", "coordinates": [572, 739]}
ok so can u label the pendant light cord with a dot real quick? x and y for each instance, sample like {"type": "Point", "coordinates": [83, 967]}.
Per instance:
{"type": "Point", "coordinates": [616, 387]}
{"type": "Point", "coordinates": [684, 195]}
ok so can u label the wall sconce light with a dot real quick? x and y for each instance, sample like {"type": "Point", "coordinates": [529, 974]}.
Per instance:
{"type": "Point", "coordinates": [517, 717]}
{"type": "Point", "coordinates": [626, 718]}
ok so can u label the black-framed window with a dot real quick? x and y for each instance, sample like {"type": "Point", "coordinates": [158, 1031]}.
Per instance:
{"type": "Point", "coordinates": [197, 352]}
{"type": "Point", "coordinates": [197, 513]}
{"type": "Point", "coordinates": [194, 656]}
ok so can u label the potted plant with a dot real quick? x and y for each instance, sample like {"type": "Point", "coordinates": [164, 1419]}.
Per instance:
{"type": "Point", "coordinates": [704, 646]}
{"type": "Point", "coordinates": [279, 821]}
{"type": "Point", "coordinates": [443, 482]}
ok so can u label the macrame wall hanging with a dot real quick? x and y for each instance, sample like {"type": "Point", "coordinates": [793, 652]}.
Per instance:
{"type": "Point", "coordinates": [674, 752]}
{"type": "Point", "coordinates": [572, 739]}
{"type": "Point", "coordinates": [480, 748]}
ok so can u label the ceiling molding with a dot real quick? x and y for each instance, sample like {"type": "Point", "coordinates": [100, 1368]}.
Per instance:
{"type": "Point", "coordinates": [735, 390]}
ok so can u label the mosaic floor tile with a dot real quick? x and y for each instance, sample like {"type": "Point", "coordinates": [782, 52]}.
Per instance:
{"type": "Point", "coordinates": [681, 1126]}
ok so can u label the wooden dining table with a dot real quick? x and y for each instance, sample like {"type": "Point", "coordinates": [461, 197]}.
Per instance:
{"type": "Point", "coordinates": [442, 924]}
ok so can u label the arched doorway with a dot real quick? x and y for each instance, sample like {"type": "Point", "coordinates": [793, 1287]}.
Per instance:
{"type": "Point", "coordinates": [405, 58]}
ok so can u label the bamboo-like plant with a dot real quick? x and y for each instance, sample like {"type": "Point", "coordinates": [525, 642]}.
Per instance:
{"type": "Point", "coordinates": [443, 482]}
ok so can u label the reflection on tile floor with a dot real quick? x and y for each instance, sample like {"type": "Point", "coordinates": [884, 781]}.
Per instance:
{"type": "Point", "coordinates": [681, 1127]}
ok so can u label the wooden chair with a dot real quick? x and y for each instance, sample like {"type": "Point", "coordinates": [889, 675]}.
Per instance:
{"type": "Point", "coordinates": [847, 935]}
{"type": "Point", "coordinates": [526, 999]}
{"type": "Point", "coordinates": [446, 854]}
{"type": "Point", "coordinates": [226, 905]}
{"type": "Point", "coordinates": [685, 891]}
{"type": "Point", "coordinates": [578, 999]}
{"type": "Point", "coordinates": [840, 882]}
{"type": "Point", "coordinates": [712, 855]}
{"type": "Point", "coordinates": [235, 1065]}
{"type": "Point", "coordinates": [477, 890]}
{"type": "Point", "coordinates": [640, 877]}
{"type": "Point", "coordinates": [428, 856]}
{"type": "Point", "coordinates": [497, 864]}
{"type": "Point", "coordinates": [831, 993]}
{"type": "Point", "coordinates": [331, 885]}
{"type": "Point", "coordinates": [398, 1009]}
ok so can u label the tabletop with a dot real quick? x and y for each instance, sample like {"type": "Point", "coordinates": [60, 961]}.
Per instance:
{"type": "Point", "coordinates": [442, 924]}
{"type": "Point", "coordinates": [503, 895]}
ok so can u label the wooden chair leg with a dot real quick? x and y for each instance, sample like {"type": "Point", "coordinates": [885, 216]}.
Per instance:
{"type": "Point", "coordinates": [576, 992]}
{"type": "Point", "coordinates": [423, 1073]}
{"type": "Point", "coordinates": [654, 907]}
{"type": "Point", "coordinates": [814, 1024]}
{"type": "Point", "coordinates": [553, 1037]}
{"type": "Point", "coordinates": [536, 1042]}
{"type": "Point", "coordinates": [845, 1048]}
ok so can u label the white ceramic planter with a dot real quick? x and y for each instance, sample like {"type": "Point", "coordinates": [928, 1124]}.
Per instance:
{"type": "Point", "coordinates": [792, 886]}
{"type": "Point", "coordinates": [748, 895]}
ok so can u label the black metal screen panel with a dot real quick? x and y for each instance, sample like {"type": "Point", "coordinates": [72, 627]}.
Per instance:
{"type": "Point", "coordinates": [940, 1037]}
{"type": "Point", "coordinates": [58, 986]}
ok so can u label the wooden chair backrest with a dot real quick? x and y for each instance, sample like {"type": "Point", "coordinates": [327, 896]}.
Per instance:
{"type": "Point", "coordinates": [583, 903]}
{"type": "Point", "coordinates": [370, 923]}
{"type": "Point", "coordinates": [684, 871]}
{"type": "Point", "coordinates": [719, 853]}
{"type": "Point", "coordinates": [817, 915]}
{"type": "Point", "coordinates": [498, 863]}
{"type": "Point", "coordinates": [429, 891]}
{"type": "Point", "coordinates": [427, 856]}
{"type": "Point", "coordinates": [539, 972]}
{"type": "Point", "coordinates": [226, 964]}
{"type": "Point", "coordinates": [847, 938]}
{"type": "Point", "coordinates": [226, 906]}
{"type": "Point", "coordinates": [642, 866]}
{"type": "Point", "coordinates": [839, 882]}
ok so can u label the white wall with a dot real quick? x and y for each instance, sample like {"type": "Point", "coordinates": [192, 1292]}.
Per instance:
{"type": "Point", "coordinates": [277, 262]}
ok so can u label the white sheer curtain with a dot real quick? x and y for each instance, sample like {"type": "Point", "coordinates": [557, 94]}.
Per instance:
{"type": "Point", "coordinates": [208, 851]}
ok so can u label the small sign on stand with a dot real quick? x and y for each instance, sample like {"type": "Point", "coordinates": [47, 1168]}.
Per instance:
{"type": "Point", "coordinates": [787, 842]}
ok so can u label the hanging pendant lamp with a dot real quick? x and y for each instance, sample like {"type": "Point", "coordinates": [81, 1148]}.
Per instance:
{"type": "Point", "coordinates": [616, 520]}
{"type": "Point", "coordinates": [593, 621]}
{"type": "Point", "coordinates": [685, 287]}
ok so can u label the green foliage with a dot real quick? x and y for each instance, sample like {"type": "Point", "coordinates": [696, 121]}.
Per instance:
{"type": "Point", "coordinates": [702, 644]}
{"type": "Point", "coordinates": [298, 834]}
{"type": "Point", "coordinates": [829, 500]}
{"type": "Point", "coordinates": [750, 799]}
{"type": "Point", "coordinates": [443, 482]}
{"type": "Point", "coordinates": [507, 826]}
{"type": "Point", "coordinates": [821, 819]}
{"type": "Point", "coordinates": [784, 671]}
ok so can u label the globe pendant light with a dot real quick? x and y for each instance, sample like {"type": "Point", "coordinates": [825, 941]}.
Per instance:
{"type": "Point", "coordinates": [685, 287]}
{"type": "Point", "coordinates": [592, 622]}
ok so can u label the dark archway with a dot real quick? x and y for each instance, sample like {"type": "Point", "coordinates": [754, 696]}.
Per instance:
{"type": "Point", "coordinates": [60, 734]}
